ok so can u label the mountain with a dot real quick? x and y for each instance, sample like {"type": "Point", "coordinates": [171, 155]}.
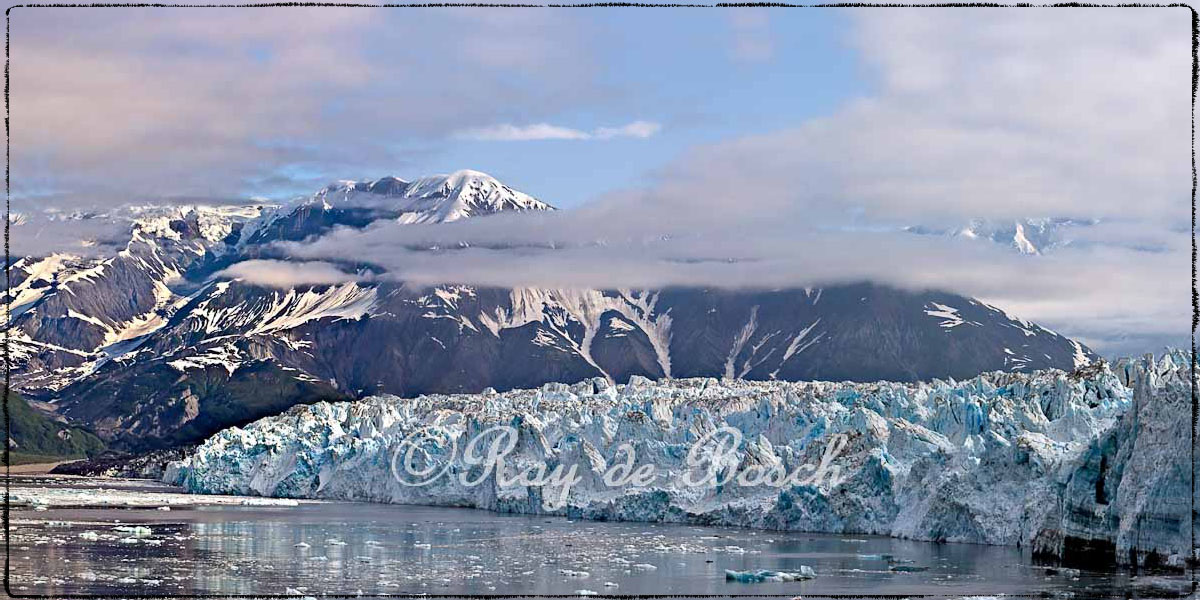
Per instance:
{"type": "Point", "coordinates": [69, 311]}
{"type": "Point", "coordinates": [39, 438]}
{"type": "Point", "coordinates": [1026, 236]}
{"type": "Point", "coordinates": [154, 347]}
{"type": "Point", "coordinates": [435, 199]}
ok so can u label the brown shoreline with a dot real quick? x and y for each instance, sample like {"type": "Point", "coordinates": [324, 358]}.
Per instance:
{"type": "Point", "coordinates": [37, 468]}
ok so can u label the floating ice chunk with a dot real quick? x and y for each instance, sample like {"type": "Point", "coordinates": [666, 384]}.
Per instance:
{"type": "Point", "coordinates": [578, 574]}
{"type": "Point", "coordinates": [137, 531]}
{"type": "Point", "coordinates": [90, 536]}
{"type": "Point", "coordinates": [586, 593]}
{"type": "Point", "coordinates": [762, 575]}
{"type": "Point", "coordinates": [1062, 571]}
{"type": "Point", "coordinates": [301, 545]}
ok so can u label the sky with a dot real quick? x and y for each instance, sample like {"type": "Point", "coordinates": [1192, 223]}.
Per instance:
{"type": "Point", "coordinates": [716, 146]}
{"type": "Point", "coordinates": [224, 103]}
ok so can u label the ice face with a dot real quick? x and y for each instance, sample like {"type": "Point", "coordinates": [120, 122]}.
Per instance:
{"type": "Point", "coordinates": [1001, 458]}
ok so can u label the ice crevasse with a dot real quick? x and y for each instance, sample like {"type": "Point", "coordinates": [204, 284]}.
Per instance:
{"type": "Point", "coordinates": [1070, 463]}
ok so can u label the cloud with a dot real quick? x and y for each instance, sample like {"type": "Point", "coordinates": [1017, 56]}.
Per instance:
{"type": "Point", "coordinates": [88, 233]}
{"type": "Point", "coordinates": [546, 131]}
{"type": "Point", "coordinates": [1012, 115]}
{"type": "Point", "coordinates": [636, 129]}
{"type": "Point", "coordinates": [513, 133]}
{"type": "Point", "coordinates": [144, 102]}
{"type": "Point", "coordinates": [287, 274]}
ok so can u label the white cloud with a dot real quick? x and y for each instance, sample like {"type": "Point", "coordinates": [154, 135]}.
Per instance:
{"type": "Point", "coordinates": [287, 274]}
{"type": "Point", "coordinates": [636, 129]}
{"type": "Point", "coordinates": [148, 101]}
{"type": "Point", "coordinates": [545, 131]}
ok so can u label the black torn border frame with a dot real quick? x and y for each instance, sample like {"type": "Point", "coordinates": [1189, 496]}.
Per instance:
{"type": "Point", "coordinates": [1195, 22]}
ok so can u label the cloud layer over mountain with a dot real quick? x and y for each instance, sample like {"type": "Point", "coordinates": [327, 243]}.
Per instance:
{"type": "Point", "coordinates": [1080, 115]}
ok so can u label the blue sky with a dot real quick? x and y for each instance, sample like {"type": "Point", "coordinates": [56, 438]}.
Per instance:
{"type": "Point", "coordinates": [682, 70]}
{"type": "Point", "coordinates": [675, 68]}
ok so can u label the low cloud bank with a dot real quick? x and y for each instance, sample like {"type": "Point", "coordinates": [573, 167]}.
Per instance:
{"type": "Point", "coordinates": [285, 274]}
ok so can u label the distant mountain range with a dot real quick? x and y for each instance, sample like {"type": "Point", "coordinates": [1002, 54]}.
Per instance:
{"type": "Point", "coordinates": [151, 346]}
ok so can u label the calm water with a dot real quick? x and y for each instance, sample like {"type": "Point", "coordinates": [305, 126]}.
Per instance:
{"type": "Point", "coordinates": [382, 549]}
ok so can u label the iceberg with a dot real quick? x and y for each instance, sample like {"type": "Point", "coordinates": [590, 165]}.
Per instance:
{"type": "Point", "coordinates": [1096, 460]}
{"type": "Point", "coordinates": [762, 575]}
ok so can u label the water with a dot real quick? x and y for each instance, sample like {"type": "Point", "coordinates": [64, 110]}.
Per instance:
{"type": "Point", "coordinates": [382, 549]}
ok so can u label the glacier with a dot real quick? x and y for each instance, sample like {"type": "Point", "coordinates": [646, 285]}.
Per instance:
{"type": "Point", "coordinates": [1096, 461]}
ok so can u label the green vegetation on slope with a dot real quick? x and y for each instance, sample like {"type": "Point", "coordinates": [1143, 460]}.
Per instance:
{"type": "Point", "coordinates": [38, 438]}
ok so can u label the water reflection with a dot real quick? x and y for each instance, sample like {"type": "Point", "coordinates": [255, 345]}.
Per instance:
{"type": "Point", "coordinates": [375, 549]}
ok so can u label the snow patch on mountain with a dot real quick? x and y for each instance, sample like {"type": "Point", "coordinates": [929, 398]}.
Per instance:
{"type": "Point", "coordinates": [560, 310]}
{"type": "Point", "coordinates": [1022, 243]}
{"type": "Point", "coordinates": [948, 314]}
{"type": "Point", "coordinates": [226, 355]}
{"type": "Point", "coordinates": [21, 347]}
{"type": "Point", "coordinates": [1080, 357]}
{"type": "Point", "coordinates": [739, 342]}
{"type": "Point", "coordinates": [279, 311]}
{"type": "Point", "coordinates": [800, 342]}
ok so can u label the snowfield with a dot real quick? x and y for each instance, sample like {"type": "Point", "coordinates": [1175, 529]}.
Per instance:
{"type": "Point", "coordinates": [1094, 460]}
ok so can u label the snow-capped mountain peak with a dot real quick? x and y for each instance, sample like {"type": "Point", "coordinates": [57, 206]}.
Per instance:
{"type": "Point", "coordinates": [463, 194]}
{"type": "Point", "coordinates": [430, 199]}
{"type": "Point", "coordinates": [1029, 236]}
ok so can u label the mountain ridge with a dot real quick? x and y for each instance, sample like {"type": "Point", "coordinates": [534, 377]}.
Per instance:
{"type": "Point", "coordinates": [153, 346]}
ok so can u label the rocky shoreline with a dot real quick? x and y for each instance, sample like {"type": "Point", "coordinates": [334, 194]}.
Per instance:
{"type": "Point", "coordinates": [150, 465]}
